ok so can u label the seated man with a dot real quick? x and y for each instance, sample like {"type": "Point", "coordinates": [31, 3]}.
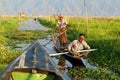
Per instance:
{"type": "Point", "coordinates": [78, 45]}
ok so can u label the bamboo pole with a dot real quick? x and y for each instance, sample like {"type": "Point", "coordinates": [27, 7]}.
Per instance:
{"type": "Point", "coordinates": [85, 11]}
{"type": "Point", "coordinates": [19, 8]}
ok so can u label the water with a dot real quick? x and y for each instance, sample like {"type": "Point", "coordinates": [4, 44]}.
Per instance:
{"type": "Point", "coordinates": [89, 65]}
{"type": "Point", "coordinates": [31, 24]}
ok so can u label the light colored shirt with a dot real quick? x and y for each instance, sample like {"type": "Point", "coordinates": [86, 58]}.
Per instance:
{"type": "Point", "coordinates": [61, 24]}
{"type": "Point", "coordinates": [77, 46]}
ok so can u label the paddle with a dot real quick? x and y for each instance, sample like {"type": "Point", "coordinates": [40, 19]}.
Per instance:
{"type": "Point", "coordinates": [47, 42]}
{"type": "Point", "coordinates": [57, 35]}
{"type": "Point", "coordinates": [57, 54]}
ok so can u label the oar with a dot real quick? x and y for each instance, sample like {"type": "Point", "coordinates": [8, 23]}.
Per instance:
{"type": "Point", "coordinates": [47, 42]}
{"type": "Point", "coordinates": [57, 54]}
{"type": "Point", "coordinates": [52, 39]}
{"type": "Point", "coordinates": [59, 34]}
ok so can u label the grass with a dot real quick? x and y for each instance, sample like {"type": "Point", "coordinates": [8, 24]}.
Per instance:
{"type": "Point", "coordinates": [2, 67]}
{"type": "Point", "coordinates": [8, 28]}
{"type": "Point", "coordinates": [85, 74]}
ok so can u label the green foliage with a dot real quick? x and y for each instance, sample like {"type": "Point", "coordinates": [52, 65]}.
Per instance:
{"type": "Point", "coordinates": [2, 67]}
{"type": "Point", "coordinates": [8, 27]}
{"type": "Point", "coordinates": [7, 55]}
{"type": "Point", "coordinates": [98, 28]}
{"type": "Point", "coordinates": [107, 54]}
{"type": "Point", "coordinates": [49, 24]}
{"type": "Point", "coordinates": [85, 74]}
{"type": "Point", "coordinates": [27, 35]}
{"type": "Point", "coordinates": [3, 40]}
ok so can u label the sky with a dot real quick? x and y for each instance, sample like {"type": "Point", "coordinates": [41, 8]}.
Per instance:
{"type": "Point", "coordinates": [66, 7]}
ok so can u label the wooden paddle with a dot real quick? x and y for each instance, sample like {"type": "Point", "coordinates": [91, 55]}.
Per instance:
{"type": "Point", "coordinates": [57, 35]}
{"type": "Point", "coordinates": [58, 54]}
{"type": "Point", "coordinates": [47, 42]}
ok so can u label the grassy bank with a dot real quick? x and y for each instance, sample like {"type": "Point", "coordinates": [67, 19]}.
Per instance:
{"type": "Point", "coordinates": [8, 27]}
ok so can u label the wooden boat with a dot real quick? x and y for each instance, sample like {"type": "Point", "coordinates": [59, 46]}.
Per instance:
{"type": "Point", "coordinates": [74, 61]}
{"type": "Point", "coordinates": [33, 63]}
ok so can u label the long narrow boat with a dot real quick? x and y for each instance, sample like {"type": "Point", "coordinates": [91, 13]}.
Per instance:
{"type": "Point", "coordinates": [33, 63]}
{"type": "Point", "coordinates": [70, 58]}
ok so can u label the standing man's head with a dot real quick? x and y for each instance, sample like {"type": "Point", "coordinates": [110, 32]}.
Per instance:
{"type": "Point", "coordinates": [81, 37]}
{"type": "Point", "coordinates": [60, 17]}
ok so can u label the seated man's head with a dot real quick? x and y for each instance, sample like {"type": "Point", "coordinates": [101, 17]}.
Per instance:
{"type": "Point", "coordinates": [81, 37]}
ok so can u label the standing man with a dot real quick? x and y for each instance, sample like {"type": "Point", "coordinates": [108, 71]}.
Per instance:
{"type": "Point", "coordinates": [78, 45]}
{"type": "Point", "coordinates": [61, 25]}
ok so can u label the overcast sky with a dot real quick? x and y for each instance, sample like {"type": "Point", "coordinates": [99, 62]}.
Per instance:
{"type": "Point", "coordinates": [66, 7]}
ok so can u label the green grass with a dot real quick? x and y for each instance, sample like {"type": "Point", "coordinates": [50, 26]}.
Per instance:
{"type": "Point", "coordinates": [49, 24]}
{"type": "Point", "coordinates": [85, 74]}
{"type": "Point", "coordinates": [8, 28]}
{"type": "Point", "coordinates": [2, 67]}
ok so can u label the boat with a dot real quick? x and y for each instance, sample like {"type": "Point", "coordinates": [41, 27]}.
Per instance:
{"type": "Point", "coordinates": [74, 61]}
{"type": "Point", "coordinates": [33, 63]}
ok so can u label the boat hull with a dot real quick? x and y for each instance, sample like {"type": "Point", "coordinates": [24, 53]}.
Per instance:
{"type": "Point", "coordinates": [30, 64]}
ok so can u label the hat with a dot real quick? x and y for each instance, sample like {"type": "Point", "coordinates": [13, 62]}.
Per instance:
{"type": "Point", "coordinates": [60, 15]}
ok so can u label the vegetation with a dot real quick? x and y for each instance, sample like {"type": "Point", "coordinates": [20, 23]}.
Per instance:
{"type": "Point", "coordinates": [103, 34]}
{"type": "Point", "coordinates": [10, 36]}
{"type": "Point", "coordinates": [85, 74]}
{"type": "Point", "coordinates": [8, 27]}
{"type": "Point", "coordinates": [49, 24]}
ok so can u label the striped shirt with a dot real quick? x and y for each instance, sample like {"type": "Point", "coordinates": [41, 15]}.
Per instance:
{"type": "Point", "coordinates": [76, 45]}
